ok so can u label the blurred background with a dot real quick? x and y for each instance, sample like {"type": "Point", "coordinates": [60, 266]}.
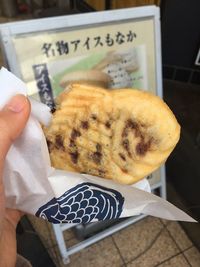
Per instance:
{"type": "Point", "coordinates": [180, 32]}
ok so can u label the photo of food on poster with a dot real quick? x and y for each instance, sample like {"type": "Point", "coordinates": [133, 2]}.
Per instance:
{"type": "Point", "coordinates": [114, 69]}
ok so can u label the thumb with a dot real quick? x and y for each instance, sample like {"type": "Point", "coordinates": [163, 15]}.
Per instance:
{"type": "Point", "coordinates": [13, 118]}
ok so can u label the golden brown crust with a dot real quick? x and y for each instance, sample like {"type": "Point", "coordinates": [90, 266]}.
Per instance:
{"type": "Point", "coordinates": [122, 134]}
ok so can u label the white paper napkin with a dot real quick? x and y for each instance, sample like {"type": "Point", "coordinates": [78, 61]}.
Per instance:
{"type": "Point", "coordinates": [33, 186]}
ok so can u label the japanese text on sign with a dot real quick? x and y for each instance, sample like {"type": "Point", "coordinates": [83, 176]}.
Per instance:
{"type": "Point", "coordinates": [44, 85]}
{"type": "Point", "coordinates": [63, 47]}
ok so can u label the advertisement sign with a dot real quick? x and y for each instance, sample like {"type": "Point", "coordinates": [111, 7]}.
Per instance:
{"type": "Point", "coordinates": [123, 52]}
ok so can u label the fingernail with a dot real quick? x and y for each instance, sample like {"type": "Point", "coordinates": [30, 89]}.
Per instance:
{"type": "Point", "coordinates": [17, 103]}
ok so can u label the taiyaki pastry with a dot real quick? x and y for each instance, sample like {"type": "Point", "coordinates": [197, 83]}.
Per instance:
{"type": "Point", "coordinates": [122, 134]}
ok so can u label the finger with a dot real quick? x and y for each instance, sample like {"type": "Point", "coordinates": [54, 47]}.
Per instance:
{"type": "Point", "coordinates": [13, 118]}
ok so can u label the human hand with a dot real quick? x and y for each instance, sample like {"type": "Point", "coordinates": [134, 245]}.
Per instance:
{"type": "Point", "coordinates": [13, 118]}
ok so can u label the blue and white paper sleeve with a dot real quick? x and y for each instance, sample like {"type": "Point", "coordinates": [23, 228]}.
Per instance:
{"type": "Point", "coordinates": [33, 186]}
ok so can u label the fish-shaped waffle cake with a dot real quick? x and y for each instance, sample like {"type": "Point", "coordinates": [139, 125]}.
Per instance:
{"type": "Point", "coordinates": [122, 134]}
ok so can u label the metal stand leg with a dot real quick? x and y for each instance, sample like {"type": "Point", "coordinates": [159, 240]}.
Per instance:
{"type": "Point", "coordinates": [61, 243]}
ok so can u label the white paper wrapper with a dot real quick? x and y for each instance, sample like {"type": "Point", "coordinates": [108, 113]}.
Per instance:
{"type": "Point", "coordinates": [33, 186]}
